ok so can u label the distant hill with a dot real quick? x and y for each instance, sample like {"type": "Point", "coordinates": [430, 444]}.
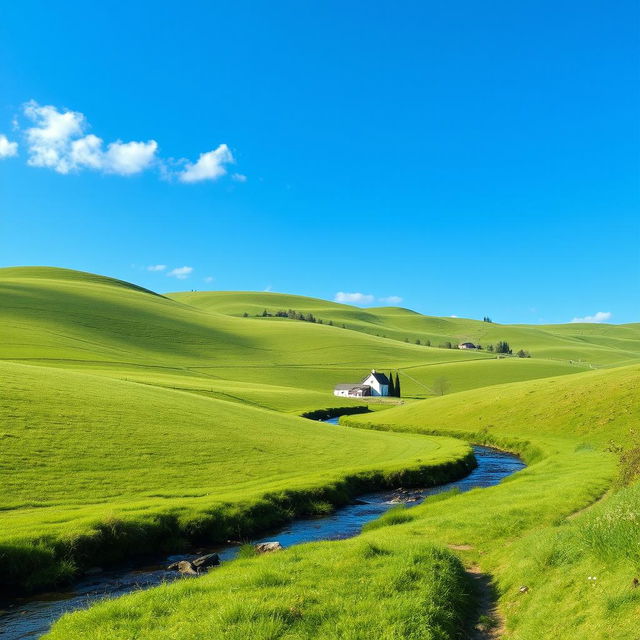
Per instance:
{"type": "Point", "coordinates": [597, 344]}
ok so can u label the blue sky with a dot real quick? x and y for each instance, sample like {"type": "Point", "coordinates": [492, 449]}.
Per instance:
{"type": "Point", "coordinates": [468, 158]}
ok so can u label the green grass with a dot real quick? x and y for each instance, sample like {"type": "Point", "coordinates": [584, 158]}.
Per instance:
{"type": "Point", "coordinates": [133, 421]}
{"type": "Point", "coordinates": [74, 459]}
{"type": "Point", "coordinates": [597, 344]}
{"type": "Point", "coordinates": [522, 532]}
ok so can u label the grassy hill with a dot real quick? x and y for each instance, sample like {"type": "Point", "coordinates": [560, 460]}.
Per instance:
{"type": "Point", "coordinates": [539, 530]}
{"type": "Point", "coordinates": [93, 468]}
{"type": "Point", "coordinates": [134, 421]}
{"type": "Point", "coordinates": [599, 344]}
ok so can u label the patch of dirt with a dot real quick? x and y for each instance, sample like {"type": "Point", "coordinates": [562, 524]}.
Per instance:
{"type": "Point", "coordinates": [490, 623]}
{"type": "Point", "coordinates": [460, 547]}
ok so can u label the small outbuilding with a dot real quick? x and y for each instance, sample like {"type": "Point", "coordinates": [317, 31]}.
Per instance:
{"type": "Point", "coordinates": [467, 345]}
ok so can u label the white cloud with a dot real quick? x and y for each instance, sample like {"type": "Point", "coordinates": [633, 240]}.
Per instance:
{"type": "Point", "coordinates": [127, 158]}
{"type": "Point", "coordinates": [453, 316]}
{"type": "Point", "coordinates": [391, 300]}
{"type": "Point", "coordinates": [600, 316]}
{"type": "Point", "coordinates": [50, 139]}
{"type": "Point", "coordinates": [209, 166]}
{"type": "Point", "coordinates": [238, 177]}
{"type": "Point", "coordinates": [209, 279]}
{"type": "Point", "coordinates": [7, 148]}
{"type": "Point", "coordinates": [156, 267]}
{"type": "Point", "coordinates": [57, 141]}
{"type": "Point", "coordinates": [354, 298]}
{"type": "Point", "coordinates": [182, 273]}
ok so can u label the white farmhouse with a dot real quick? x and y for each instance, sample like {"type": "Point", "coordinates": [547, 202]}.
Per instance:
{"type": "Point", "coordinates": [374, 384]}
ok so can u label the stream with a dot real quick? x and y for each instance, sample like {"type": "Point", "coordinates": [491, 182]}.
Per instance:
{"type": "Point", "coordinates": [31, 617]}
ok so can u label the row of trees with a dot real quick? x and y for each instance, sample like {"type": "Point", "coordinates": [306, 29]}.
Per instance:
{"type": "Point", "coordinates": [395, 390]}
{"type": "Point", "coordinates": [293, 315]}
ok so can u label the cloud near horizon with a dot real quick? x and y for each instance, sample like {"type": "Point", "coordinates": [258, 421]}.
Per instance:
{"type": "Point", "coordinates": [181, 273]}
{"type": "Point", "coordinates": [364, 298]}
{"type": "Point", "coordinates": [58, 140]}
{"type": "Point", "coordinates": [354, 298]}
{"type": "Point", "coordinates": [156, 267]}
{"type": "Point", "coordinates": [600, 316]}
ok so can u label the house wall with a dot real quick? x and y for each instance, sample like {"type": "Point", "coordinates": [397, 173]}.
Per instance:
{"type": "Point", "coordinates": [341, 392]}
{"type": "Point", "coordinates": [377, 389]}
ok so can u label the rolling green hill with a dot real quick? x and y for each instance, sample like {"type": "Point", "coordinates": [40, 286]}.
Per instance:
{"type": "Point", "coordinates": [542, 535]}
{"type": "Point", "coordinates": [596, 344]}
{"type": "Point", "coordinates": [132, 421]}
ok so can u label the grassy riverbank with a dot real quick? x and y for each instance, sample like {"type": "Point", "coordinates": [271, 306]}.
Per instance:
{"type": "Point", "coordinates": [530, 531]}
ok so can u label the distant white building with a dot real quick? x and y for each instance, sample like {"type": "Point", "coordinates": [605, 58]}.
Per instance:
{"type": "Point", "coordinates": [467, 345]}
{"type": "Point", "coordinates": [374, 384]}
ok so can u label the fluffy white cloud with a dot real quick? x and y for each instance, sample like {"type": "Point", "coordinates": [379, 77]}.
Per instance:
{"type": "Point", "coordinates": [600, 316]}
{"type": "Point", "coordinates": [127, 158]}
{"type": "Point", "coordinates": [391, 300]}
{"type": "Point", "coordinates": [49, 140]}
{"type": "Point", "coordinates": [209, 166]}
{"type": "Point", "coordinates": [156, 267]}
{"type": "Point", "coordinates": [57, 141]}
{"type": "Point", "coordinates": [7, 148]}
{"type": "Point", "coordinates": [182, 273]}
{"type": "Point", "coordinates": [354, 298]}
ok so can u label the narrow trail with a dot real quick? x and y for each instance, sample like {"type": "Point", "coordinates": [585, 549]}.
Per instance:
{"type": "Point", "coordinates": [490, 623]}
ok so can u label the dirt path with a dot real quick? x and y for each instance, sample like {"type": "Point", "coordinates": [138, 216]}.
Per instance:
{"type": "Point", "coordinates": [490, 623]}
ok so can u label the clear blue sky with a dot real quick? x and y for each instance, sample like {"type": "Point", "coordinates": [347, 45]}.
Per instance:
{"type": "Point", "coordinates": [470, 158]}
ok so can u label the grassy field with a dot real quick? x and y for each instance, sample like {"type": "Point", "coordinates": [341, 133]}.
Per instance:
{"type": "Point", "coordinates": [534, 530]}
{"type": "Point", "coordinates": [132, 421]}
{"type": "Point", "coordinates": [77, 465]}
{"type": "Point", "coordinates": [594, 344]}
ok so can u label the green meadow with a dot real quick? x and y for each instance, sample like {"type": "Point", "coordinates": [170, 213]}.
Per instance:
{"type": "Point", "coordinates": [135, 422]}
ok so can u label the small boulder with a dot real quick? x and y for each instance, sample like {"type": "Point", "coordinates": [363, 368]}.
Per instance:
{"type": "Point", "coordinates": [523, 589]}
{"type": "Point", "coordinates": [184, 567]}
{"type": "Point", "coordinates": [268, 547]}
{"type": "Point", "coordinates": [206, 562]}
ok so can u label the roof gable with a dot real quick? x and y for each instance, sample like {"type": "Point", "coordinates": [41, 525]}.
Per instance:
{"type": "Point", "coordinates": [380, 378]}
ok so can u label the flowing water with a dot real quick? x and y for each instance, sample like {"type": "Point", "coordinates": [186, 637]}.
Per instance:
{"type": "Point", "coordinates": [31, 617]}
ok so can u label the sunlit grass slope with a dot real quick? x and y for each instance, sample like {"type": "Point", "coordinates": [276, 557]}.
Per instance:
{"type": "Point", "coordinates": [524, 532]}
{"type": "Point", "coordinates": [392, 583]}
{"type": "Point", "coordinates": [81, 451]}
{"type": "Point", "coordinates": [597, 344]}
{"type": "Point", "coordinates": [52, 315]}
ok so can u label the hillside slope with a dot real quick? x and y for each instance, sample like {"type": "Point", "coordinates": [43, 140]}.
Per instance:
{"type": "Point", "coordinates": [597, 344]}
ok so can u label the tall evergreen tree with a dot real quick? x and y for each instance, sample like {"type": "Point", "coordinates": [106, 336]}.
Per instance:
{"type": "Point", "coordinates": [392, 387]}
{"type": "Point", "coordinates": [397, 386]}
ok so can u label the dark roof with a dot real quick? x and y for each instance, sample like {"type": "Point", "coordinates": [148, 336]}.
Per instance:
{"type": "Point", "coordinates": [380, 377]}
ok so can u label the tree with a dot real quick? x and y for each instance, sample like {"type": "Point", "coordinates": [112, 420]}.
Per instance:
{"type": "Point", "coordinates": [487, 319]}
{"type": "Point", "coordinates": [264, 313]}
{"type": "Point", "coordinates": [503, 347]}
{"type": "Point", "coordinates": [417, 340]}
{"type": "Point", "coordinates": [440, 386]}
{"type": "Point", "coordinates": [392, 387]}
{"type": "Point", "coordinates": [490, 347]}
{"type": "Point", "coordinates": [427, 343]}
{"type": "Point", "coordinates": [245, 315]}
{"type": "Point", "coordinates": [397, 386]}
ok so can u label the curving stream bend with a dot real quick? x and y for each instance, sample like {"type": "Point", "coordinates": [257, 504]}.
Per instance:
{"type": "Point", "coordinates": [32, 617]}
